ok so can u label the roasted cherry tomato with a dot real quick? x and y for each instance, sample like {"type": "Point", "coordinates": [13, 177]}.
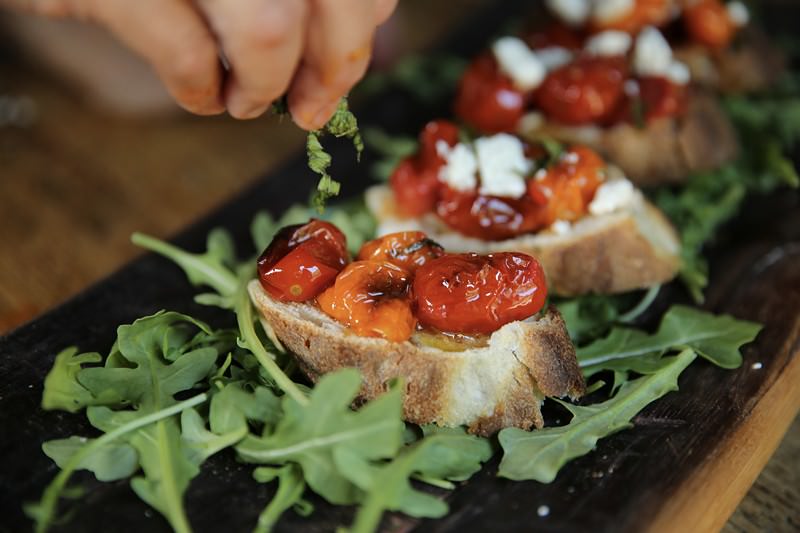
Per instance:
{"type": "Point", "coordinates": [373, 299]}
{"type": "Point", "coordinates": [415, 190]}
{"type": "Point", "coordinates": [556, 34]}
{"type": "Point", "coordinates": [470, 293]}
{"type": "Point", "coordinates": [565, 190]}
{"type": "Point", "coordinates": [643, 13]}
{"type": "Point", "coordinates": [587, 90]}
{"type": "Point", "coordinates": [708, 23]}
{"type": "Point", "coordinates": [488, 100]}
{"type": "Point", "coordinates": [406, 249]}
{"type": "Point", "coordinates": [415, 181]}
{"type": "Point", "coordinates": [486, 217]}
{"type": "Point", "coordinates": [433, 132]}
{"type": "Point", "coordinates": [302, 260]}
{"type": "Point", "coordinates": [662, 98]}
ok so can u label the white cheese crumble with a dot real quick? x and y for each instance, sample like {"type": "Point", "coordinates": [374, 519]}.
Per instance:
{"type": "Point", "coordinates": [609, 43]}
{"type": "Point", "coordinates": [610, 10]}
{"type": "Point", "coordinates": [572, 12]}
{"type": "Point", "coordinates": [460, 168]}
{"type": "Point", "coordinates": [652, 55]}
{"type": "Point", "coordinates": [757, 366]}
{"type": "Point", "coordinates": [502, 165]}
{"type": "Point", "coordinates": [543, 510]}
{"type": "Point", "coordinates": [531, 121]}
{"type": "Point", "coordinates": [553, 57]}
{"type": "Point", "coordinates": [738, 13]}
{"type": "Point", "coordinates": [519, 62]}
{"type": "Point", "coordinates": [612, 196]}
{"type": "Point", "coordinates": [561, 227]}
{"type": "Point", "coordinates": [679, 73]}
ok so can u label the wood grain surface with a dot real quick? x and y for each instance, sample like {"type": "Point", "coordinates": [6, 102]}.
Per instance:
{"type": "Point", "coordinates": [75, 182]}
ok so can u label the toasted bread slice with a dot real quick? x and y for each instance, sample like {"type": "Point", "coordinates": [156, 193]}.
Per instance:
{"type": "Point", "coordinates": [751, 64]}
{"type": "Point", "coordinates": [667, 150]}
{"type": "Point", "coordinates": [629, 249]}
{"type": "Point", "coordinates": [487, 388]}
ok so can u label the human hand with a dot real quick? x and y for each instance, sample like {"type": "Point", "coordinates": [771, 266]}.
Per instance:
{"type": "Point", "coordinates": [313, 51]}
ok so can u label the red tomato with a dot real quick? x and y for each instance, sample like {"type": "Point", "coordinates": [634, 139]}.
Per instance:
{"type": "Point", "coordinates": [644, 13]}
{"type": "Point", "coordinates": [486, 217]}
{"type": "Point", "coordinates": [302, 260]}
{"type": "Point", "coordinates": [469, 293]}
{"type": "Point", "coordinates": [708, 23]}
{"type": "Point", "coordinates": [373, 299]}
{"type": "Point", "coordinates": [662, 98]}
{"type": "Point", "coordinates": [415, 190]}
{"type": "Point", "coordinates": [556, 34]}
{"type": "Point", "coordinates": [566, 189]}
{"type": "Point", "coordinates": [433, 132]}
{"type": "Point", "coordinates": [407, 249]}
{"type": "Point", "coordinates": [415, 181]}
{"type": "Point", "coordinates": [487, 100]}
{"type": "Point", "coordinates": [585, 91]}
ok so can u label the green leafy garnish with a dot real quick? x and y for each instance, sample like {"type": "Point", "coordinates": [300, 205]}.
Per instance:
{"type": "Point", "coordinates": [539, 455]}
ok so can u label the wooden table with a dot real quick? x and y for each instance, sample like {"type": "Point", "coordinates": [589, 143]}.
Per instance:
{"type": "Point", "coordinates": [76, 182]}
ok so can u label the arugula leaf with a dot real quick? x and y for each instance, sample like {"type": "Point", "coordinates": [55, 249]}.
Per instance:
{"type": "Point", "coordinates": [443, 454]}
{"type": "Point", "coordinates": [291, 486]}
{"type": "Point", "coordinates": [61, 388]}
{"type": "Point", "coordinates": [539, 455]}
{"type": "Point", "coordinates": [313, 435]}
{"type": "Point", "coordinates": [717, 338]}
{"type": "Point", "coordinates": [427, 77]}
{"type": "Point", "coordinates": [108, 462]}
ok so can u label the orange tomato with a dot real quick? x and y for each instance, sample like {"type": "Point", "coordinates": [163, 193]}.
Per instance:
{"type": "Point", "coordinates": [708, 23]}
{"type": "Point", "coordinates": [406, 249]}
{"type": "Point", "coordinates": [373, 299]}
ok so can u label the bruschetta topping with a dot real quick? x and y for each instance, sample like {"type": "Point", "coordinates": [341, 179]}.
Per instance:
{"type": "Point", "coordinates": [403, 283]}
{"type": "Point", "coordinates": [498, 187]}
{"type": "Point", "coordinates": [302, 261]}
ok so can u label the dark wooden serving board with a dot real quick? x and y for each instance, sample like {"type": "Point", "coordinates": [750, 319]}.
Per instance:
{"type": "Point", "coordinates": [684, 466]}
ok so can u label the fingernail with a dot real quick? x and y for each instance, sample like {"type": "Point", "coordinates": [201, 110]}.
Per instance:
{"type": "Point", "coordinates": [323, 115]}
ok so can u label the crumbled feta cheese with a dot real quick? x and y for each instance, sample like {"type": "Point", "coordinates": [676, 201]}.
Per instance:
{"type": "Point", "coordinates": [679, 73]}
{"type": "Point", "coordinates": [609, 43]}
{"type": "Point", "coordinates": [502, 165]}
{"type": "Point", "coordinates": [531, 121]}
{"type": "Point", "coordinates": [652, 55]}
{"type": "Point", "coordinates": [572, 12]}
{"type": "Point", "coordinates": [553, 57]}
{"type": "Point", "coordinates": [757, 366]}
{"type": "Point", "coordinates": [543, 510]}
{"type": "Point", "coordinates": [605, 11]}
{"type": "Point", "coordinates": [561, 227]}
{"type": "Point", "coordinates": [519, 62]}
{"type": "Point", "coordinates": [459, 170]}
{"type": "Point", "coordinates": [738, 13]}
{"type": "Point", "coordinates": [611, 196]}
{"type": "Point", "coordinates": [631, 88]}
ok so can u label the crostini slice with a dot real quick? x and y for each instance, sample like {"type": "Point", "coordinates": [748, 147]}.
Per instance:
{"type": "Point", "coordinates": [485, 388]}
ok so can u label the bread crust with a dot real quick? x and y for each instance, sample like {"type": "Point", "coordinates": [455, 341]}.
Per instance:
{"type": "Point", "coordinates": [618, 252]}
{"type": "Point", "coordinates": [486, 388]}
{"type": "Point", "coordinates": [751, 64]}
{"type": "Point", "coordinates": [667, 150]}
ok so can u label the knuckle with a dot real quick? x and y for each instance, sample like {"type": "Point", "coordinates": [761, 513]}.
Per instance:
{"type": "Point", "coordinates": [276, 26]}
{"type": "Point", "coordinates": [51, 8]}
{"type": "Point", "coordinates": [193, 64]}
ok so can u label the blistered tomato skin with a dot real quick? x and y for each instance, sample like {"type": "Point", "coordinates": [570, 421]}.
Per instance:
{"type": "Point", "coordinates": [373, 299]}
{"type": "Point", "coordinates": [473, 294]}
{"type": "Point", "coordinates": [407, 249]}
{"type": "Point", "coordinates": [588, 90]}
{"type": "Point", "coordinates": [556, 34]}
{"type": "Point", "coordinates": [486, 217]}
{"type": "Point", "coordinates": [487, 100]}
{"type": "Point", "coordinates": [708, 23]}
{"type": "Point", "coordinates": [566, 189]}
{"type": "Point", "coordinates": [302, 261]}
{"type": "Point", "coordinates": [415, 181]}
